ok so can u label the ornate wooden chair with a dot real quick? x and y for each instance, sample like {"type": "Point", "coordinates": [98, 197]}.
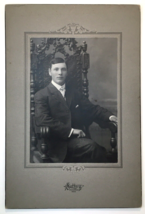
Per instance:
{"type": "Point", "coordinates": [77, 60]}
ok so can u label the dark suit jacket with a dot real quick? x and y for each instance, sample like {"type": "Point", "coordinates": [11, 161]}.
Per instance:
{"type": "Point", "coordinates": [60, 115]}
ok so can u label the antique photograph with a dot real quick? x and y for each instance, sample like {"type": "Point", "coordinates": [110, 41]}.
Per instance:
{"type": "Point", "coordinates": [73, 105]}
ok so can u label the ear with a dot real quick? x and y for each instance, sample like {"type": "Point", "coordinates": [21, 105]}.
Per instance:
{"type": "Point", "coordinates": [49, 71]}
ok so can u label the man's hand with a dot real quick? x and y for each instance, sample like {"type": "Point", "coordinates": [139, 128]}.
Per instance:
{"type": "Point", "coordinates": [78, 132]}
{"type": "Point", "coordinates": [113, 119]}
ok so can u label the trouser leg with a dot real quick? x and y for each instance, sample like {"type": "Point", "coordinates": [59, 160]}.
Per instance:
{"type": "Point", "coordinates": [84, 150]}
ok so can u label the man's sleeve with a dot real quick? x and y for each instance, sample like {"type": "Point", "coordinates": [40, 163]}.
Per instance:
{"type": "Point", "coordinates": [43, 117]}
{"type": "Point", "coordinates": [93, 113]}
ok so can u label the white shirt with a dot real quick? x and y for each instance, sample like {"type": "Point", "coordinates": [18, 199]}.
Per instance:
{"type": "Point", "coordinates": [61, 88]}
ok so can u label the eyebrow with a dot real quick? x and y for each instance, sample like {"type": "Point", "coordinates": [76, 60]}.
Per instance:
{"type": "Point", "coordinates": [59, 67]}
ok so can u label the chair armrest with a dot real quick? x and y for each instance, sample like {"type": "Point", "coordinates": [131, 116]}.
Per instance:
{"type": "Point", "coordinates": [43, 135]}
{"type": "Point", "coordinates": [43, 131]}
{"type": "Point", "coordinates": [110, 125]}
{"type": "Point", "coordinates": [113, 142]}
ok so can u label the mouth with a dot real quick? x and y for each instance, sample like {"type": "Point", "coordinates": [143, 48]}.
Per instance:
{"type": "Point", "coordinates": [59, 78]}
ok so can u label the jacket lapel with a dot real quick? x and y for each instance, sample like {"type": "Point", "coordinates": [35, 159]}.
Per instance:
{"type": "Point", "coordinates": [58, 96]}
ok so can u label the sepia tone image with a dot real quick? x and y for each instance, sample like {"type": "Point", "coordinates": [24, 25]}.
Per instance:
{"type": "Point", "coordinates": [73, 106]}
{"type": "Point", "coordinates": [73, 100]}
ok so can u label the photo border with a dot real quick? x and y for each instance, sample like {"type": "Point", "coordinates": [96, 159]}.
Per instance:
{"type": "Point", "coordinates": [64, 33]}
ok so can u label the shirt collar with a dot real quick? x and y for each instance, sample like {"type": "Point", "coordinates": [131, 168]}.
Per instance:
{"type": "Point", "coordinates": [57, 86]}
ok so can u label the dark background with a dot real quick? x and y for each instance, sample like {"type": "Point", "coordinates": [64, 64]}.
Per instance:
{"type": "Point", "coordinates": [102, 76]}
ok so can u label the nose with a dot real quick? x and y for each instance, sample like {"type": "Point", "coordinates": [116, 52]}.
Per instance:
{"type": "Point", "coordinates": [60, 72]}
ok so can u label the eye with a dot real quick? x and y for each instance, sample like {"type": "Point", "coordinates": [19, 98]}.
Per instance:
{"type": "Point", "coordinates": [63, 69]}
{"type": "Point", "coordinates": [56, 69]}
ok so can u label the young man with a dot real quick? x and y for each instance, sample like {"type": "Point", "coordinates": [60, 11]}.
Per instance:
{"type": "Point", "coordinates": [66, 112]}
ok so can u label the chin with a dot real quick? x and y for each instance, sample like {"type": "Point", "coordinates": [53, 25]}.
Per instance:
{"type": "Point", "coordinates": [60, 82]}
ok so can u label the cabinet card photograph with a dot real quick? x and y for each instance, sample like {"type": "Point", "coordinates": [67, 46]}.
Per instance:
{"type": "Point", "coordinates": [73, 106]}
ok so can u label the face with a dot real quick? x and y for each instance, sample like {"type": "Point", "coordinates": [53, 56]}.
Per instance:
{"type": "Point", "coordinates": [58, 72]}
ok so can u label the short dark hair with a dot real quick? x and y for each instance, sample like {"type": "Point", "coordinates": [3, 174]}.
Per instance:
{"type": "Point", "coordinates": [55, 61]}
